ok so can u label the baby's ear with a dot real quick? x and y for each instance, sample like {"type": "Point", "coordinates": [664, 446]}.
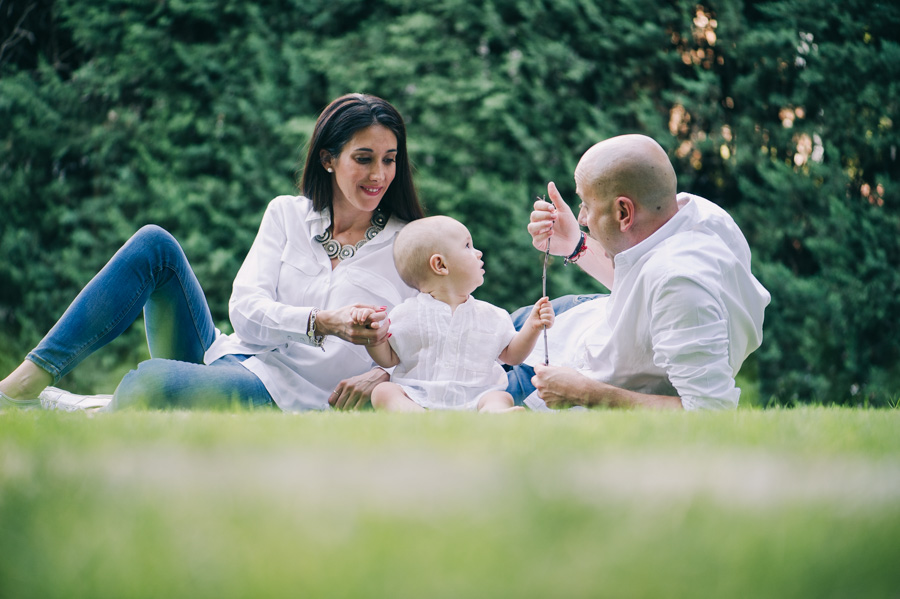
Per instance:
{"type": "Point", "coordinates": [438, 266]}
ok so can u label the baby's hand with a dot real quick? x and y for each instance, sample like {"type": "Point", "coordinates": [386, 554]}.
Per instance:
{"type": "Point", "coordinates": [374, 321]}
{"type": "Point", "coordinates": [542, 315]}
{"type": "Point", "coordinates": [361, 314]}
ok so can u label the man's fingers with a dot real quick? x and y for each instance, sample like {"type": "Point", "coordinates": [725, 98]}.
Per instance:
{"type": "Point", "coordinates": [557, 198]}
{"type": "Point", "coordinates": [540, 232]}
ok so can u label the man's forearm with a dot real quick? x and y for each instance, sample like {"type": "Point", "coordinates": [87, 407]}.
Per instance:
{"type": "Point", "coordinates": [560, 386]}
{"type": "Point", "coordinates": [596, 263]}
{"type": "Point", "coordinates": [615, 397]}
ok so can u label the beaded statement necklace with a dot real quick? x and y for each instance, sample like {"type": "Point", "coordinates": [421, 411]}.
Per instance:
{"type": "Point", "coordinates": [335, 249]}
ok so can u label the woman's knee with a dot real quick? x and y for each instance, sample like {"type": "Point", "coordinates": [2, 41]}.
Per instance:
{"type": "Point", "coordinates": [153, 234]}
{"type": "Point", "coordinates": [145, 386]}
{"type": "Point", "coordinates": [159, 383]}
{"type": "Point", "coordinates": [154, 240]}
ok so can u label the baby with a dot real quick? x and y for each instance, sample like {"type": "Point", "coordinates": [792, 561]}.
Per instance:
{"type": "Point", "coordinates": [444, 343]}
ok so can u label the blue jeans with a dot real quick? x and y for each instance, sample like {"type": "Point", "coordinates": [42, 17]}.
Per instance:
{"type": "Point", "coordinates": [519, 377]}
{"type": "Point", "coordinates": [150, 273]}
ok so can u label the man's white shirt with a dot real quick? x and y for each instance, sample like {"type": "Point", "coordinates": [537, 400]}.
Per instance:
{"type": "Point", "coordinates": [684, 313]}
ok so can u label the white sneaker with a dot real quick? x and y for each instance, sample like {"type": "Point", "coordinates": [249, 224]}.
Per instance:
{"type": "Point", "coordinates": [18, 404]}
{"type": "Point", "coordinates": [59, 399]}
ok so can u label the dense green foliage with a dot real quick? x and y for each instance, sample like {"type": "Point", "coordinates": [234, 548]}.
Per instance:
{"type": "Point", "coordinates": [193, 115]}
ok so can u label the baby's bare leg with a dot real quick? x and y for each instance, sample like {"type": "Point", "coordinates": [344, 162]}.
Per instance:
{"type": "Point", "coordinates": [498, 401]}
{"type": "Point", "coordinates": [389, 397]}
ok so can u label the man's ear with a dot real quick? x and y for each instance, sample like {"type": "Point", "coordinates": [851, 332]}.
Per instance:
{"type": "Point", "coordinates": [438, 266]}
{"type": "Point", "coordinates": [625, 213]}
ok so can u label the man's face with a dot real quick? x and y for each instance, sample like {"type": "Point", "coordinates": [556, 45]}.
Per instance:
{"type": "Point", "coordinates": [598, 214]}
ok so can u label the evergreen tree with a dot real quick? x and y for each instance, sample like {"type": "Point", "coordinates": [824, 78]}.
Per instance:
{"type": "Point", "coordinates": [193, 115]}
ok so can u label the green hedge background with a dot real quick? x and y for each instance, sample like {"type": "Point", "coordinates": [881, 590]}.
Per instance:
{"type": "Point", "coordinates": [194, 114]}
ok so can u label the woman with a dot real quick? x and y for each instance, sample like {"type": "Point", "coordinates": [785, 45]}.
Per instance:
{"type": "Point", "coordinates": [315, 258]}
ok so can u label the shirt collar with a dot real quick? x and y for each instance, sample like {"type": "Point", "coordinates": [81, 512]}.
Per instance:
{"type": "Point", "coordinates": [428, 298]}
{"type": "Point", "coordinates": [318, 223]}
{"type": "Point", "coordinates": [687, 213]}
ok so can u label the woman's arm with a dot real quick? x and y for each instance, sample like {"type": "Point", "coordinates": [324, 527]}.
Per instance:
{"type": "Point", "coordinates": [259, 318]}
{"type": "Point", "coordinates": [356, 392]}
{"type": "Point", "coordinates": [256, 315]}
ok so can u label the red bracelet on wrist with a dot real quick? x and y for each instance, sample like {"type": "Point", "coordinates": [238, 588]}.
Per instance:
{"type": "Point", "coordinates": [579, 250]}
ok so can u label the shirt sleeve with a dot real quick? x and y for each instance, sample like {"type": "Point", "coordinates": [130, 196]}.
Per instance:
{"type": "Point", "coordinates": [689, 329]}
{"type": "Point", "coordinates": [506, 330]}
{"type": "Point", "coordinates": [403, 328]}
{"type": "Point", "coordinates": [256, 315]}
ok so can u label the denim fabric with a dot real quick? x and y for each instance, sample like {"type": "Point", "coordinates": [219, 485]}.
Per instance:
{"type": "Point", "coordinates": [161, 383]}
{"type": "Point", "coordinates": [519, 376]}
{"type": "Point", "coordinates": [150, 273]}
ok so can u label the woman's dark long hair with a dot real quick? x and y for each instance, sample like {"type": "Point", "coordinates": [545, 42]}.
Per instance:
{"type": "Point", "coordinates": [336, 125]}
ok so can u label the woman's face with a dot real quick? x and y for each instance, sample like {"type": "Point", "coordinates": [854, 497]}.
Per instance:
{"type": "Point", "coordinates": [364, 169]}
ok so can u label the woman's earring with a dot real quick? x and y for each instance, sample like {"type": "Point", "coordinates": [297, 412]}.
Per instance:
{"type": "Point", "coordinates": [329, 169]}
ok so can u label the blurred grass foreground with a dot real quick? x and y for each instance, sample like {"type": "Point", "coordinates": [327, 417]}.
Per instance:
{"type": "Point", "coordinates": [775, 503]}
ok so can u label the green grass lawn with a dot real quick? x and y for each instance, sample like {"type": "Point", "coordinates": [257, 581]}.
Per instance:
{"type": "Point", "coordinates": [753, 503]}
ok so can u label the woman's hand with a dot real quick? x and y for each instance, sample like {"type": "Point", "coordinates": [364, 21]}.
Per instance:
{"type": "Point", "coordinates": [556, 220]}
{"type": "Point", "coordinates": [359, 324]}
{"type": "Point", "coordinates": [356, 392]}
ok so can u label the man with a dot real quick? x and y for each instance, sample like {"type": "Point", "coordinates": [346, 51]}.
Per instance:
{"type": "Point", "coordinates": [684, 310]}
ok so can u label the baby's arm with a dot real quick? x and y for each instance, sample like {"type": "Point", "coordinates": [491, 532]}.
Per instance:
{"type": "Point", "coordinates": [382, 353]}
{"type": "Point", "coordinates": [541, 317]}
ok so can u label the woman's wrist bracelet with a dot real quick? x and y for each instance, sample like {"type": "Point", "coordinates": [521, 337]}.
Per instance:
{"type": "Point", "coordinates": [580, 249]}
{"type": "Point", "coordinates": [317, 340]}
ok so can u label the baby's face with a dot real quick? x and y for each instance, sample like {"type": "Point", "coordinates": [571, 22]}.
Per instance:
{"type": "Point", "coordinates": [463, 260]}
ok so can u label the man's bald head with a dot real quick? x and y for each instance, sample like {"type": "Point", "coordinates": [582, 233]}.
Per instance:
{"type": "Point", "coordinates": [634, 166]}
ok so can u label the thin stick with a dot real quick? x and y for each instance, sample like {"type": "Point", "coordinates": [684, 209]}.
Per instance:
{"type": "Point", "coordinates": [544, 294]}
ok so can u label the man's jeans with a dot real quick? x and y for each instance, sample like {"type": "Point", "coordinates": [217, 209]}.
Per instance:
{"type": "Point", "coordinates": [519, 376]}
{"type": "Point", "coordinates": [150, 273]}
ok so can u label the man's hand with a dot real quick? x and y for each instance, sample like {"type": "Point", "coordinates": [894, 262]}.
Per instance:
{"type": "Point", "coordinates": [560, 387]}
{"type": "Point", "coordinates": [556, 220]}
{"type": "Point", "coordinates": [356, 392]}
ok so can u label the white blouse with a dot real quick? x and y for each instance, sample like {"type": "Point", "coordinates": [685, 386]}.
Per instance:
{"type": "Point", "coordinates": [448, 359]}
{"type": "Point", "coordinates": [284, 276]}
{"type": "Point", "coordinates": [684, 313]}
